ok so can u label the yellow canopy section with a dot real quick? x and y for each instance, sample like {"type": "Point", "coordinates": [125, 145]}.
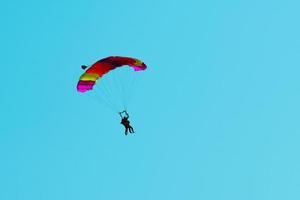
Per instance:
{"type": "Point", "coordinates": [89, 77]}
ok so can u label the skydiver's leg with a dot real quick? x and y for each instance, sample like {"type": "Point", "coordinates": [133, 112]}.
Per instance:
{"type": "Point", "coordinates": [131, 129]}
{"type": "Point", "coordinates": [126, 130]}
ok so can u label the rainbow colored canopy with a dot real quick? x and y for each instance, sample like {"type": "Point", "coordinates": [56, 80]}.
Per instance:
{"type": "Point", "coordinates": [103, 66]}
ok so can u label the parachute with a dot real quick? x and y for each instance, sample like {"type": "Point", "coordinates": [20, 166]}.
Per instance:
{"type": "Point", "coordinates": [106, 67]}
{"type": "Point", "coordinates": [103, 66]}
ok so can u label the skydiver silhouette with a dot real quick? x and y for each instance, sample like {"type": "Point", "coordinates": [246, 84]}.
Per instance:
{"type": "Point", "coordinates": [126, 122]}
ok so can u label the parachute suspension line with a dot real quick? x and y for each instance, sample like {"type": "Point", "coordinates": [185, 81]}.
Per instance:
{"type": "Point", "coordinates": [131, 89]}
{"type": "Point", "coordinates": [120, 87]}
{"type": "Point", "coordinates": [129, 86]}
{"type": "Point", "coordinates": [110, 85]}
{"type": "Point", "coordinates": [103, 90]}
{"type": "Point", "coordinates": [99, 99]}
{"type": "Point", "coordinates": [126, 88]}
{"type": "Point", "coordinates": [112, 90]}
{"type": "Point", "coordinates": [103, 98]}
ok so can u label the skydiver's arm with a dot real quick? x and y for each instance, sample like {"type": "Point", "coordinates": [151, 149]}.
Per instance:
{"type": "Point", "coordinates": [126, 114]}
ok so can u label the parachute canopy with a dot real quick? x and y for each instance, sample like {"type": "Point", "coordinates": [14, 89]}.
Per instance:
{"type": "Point", "coordinates": [103, 66]}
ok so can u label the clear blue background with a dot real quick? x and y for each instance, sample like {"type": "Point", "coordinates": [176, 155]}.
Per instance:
{"type": "Point", "coordinates": [216, 114]}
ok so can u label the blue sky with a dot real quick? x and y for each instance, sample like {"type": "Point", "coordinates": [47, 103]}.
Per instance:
{"type": "Point", "coordinates": [216, 113]}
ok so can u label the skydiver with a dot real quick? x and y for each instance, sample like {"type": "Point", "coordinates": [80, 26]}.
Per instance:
{"type": "Point", "coordinates": [126, 122]}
